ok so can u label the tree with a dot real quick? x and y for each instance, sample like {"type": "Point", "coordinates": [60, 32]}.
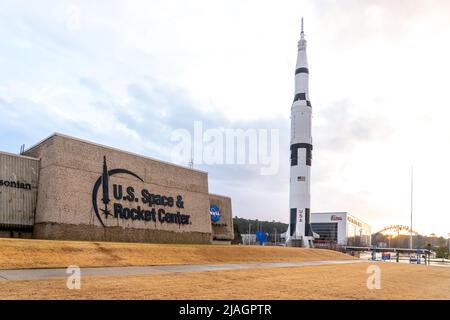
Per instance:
{"type": "Point", "coordinates": [442, 252]}
{"type": "Point", "coordinates": [237, 233]}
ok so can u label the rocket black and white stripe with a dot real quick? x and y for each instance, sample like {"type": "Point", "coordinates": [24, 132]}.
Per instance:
{"type": "Point", "coordinates": [300, 153]}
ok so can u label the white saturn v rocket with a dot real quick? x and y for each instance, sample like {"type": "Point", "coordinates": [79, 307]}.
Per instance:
{"type": "Point", "coordinates": [299, 232]}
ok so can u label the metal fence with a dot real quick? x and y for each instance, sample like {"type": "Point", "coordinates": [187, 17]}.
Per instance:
{"type": "Point", "coordinates": [18, 191]}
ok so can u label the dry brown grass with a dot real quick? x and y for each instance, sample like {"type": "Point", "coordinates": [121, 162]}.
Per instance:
{"type": "Point", "coordinates": [398, 281]}
{"type": "Point", "coordinates": [26, 253]}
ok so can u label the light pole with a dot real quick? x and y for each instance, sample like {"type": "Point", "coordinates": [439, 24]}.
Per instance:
{"type": "Point", "coordinates": [448, 242]}
{"type": "Point", "coordinates": [411, 227]}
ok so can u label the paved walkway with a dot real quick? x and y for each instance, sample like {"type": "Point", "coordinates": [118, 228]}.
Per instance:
{"type": "Point", "coordinates": [39, 274]}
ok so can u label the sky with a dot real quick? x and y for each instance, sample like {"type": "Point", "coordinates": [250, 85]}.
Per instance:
{"type": "Point", "coordinates": [129, 73]}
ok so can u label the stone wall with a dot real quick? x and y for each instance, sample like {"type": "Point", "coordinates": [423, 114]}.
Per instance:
{"type": "Point", "coordinates": [222, 229]}
{"type": "Point", "coordinates": [69, 170]}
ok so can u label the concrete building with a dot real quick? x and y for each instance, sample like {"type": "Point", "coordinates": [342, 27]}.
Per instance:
{"type": "Point", "coordinates": [249, 239]}
{"type": "Point", "coordinates": [19, 177]}
{"type": "Point", "coordinates": [341, 228]}
{"type": "Point", "coordinates": [79, 190]}
{"type": "Point", "coordinates": [221, 218]}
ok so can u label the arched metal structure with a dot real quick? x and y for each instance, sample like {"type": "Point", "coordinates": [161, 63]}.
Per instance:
{"type": "Point", "coordinates": [397, 230]}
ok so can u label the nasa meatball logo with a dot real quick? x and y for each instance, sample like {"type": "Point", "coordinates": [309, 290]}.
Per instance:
{"type": "Point", "coordinates": [215, 213]}
{"type": "Point", "coordinates": [129, 195]}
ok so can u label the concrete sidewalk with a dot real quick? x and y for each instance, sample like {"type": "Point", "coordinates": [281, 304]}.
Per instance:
{"type": "Point", "coordinates": [39, 274]}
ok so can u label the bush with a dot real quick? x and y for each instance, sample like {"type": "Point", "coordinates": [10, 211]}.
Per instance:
{"type": "Point", "coordinates": [442, 252]}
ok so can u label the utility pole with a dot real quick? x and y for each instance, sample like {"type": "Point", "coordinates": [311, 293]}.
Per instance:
{"type": "Point", "coordinates": [411, 227]}
{"type": "Point", "coordinates": [249, 232]}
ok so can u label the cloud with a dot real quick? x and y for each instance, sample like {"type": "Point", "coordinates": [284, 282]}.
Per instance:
{"type": "Point", "coordinates": [340, 127]}
{"type": "Point", "coordinates": [131, 73]}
